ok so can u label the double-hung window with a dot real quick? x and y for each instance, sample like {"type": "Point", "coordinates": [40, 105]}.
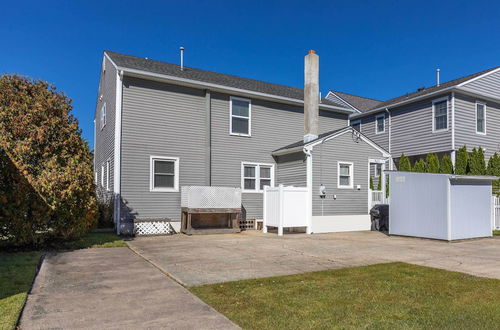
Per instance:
{"type": "Point", "coordinates": [379, 124]}
{"type": "Point", "coordinates": [255, 176]}
{"type": "Point", "coordinates": [345, 175]}
{"type": "Point", "coordinates": [240, 116]}
{"type": "Point", "coordinates": [356, 124]}
{"type": "Point", "coordinates": [164, 174]}
{"type": "Point", "coordinates": [480, 118]}
{"type": "Point", "coordinates": [440, 114]}
{"type": "Point", "coordinates": [103, 115]}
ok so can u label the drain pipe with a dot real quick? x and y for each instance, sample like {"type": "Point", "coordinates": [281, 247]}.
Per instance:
{"type": "Point", "coordinates": [390, 133]}
{"type": "Point", "coordinates": [309, 179]}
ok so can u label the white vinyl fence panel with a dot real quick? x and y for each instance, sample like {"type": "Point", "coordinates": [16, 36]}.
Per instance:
{"type": "Point", "coordinates": [496, 212]}
{"type": "Point", "coordinates": [285, 207]}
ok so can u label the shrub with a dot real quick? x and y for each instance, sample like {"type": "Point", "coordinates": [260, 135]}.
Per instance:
{"type": "Point", "coordinates": [462, 161]}
{"type": "Point", "coordinates": [404, 163]}
{"type": "Point", "coordinates": [494, 169]}
{"type": "Point", "coordinates": [419, 166]}
{"type": "Point", "coordinates": [42, 141]}
{"type": "Point", "coordinates": [379, 184]}
{"type": "Point", "coordinates": [372, 187]}
{"type": "Point", "coordinates": [432, 163]}
{"type": "Point", "coordinates": [446, 165]}
{"type": "Point", "coordinates": [477, 163]}
{"type": "Point", "coordinates": [104, 209]}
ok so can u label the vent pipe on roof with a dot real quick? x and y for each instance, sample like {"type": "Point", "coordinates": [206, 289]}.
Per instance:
{"type": "Point", "coordinates": [438, 71]}
{"type": "Point", "coordinates": [182, 58]}
{"type": "Point", "coordinates": [311, 96]}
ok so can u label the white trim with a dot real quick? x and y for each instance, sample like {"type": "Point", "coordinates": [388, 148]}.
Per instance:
{"type": "Point", "coordinates": [117, 149]}
{"type": "Point", "coordinates": [102, 175]}
{"type": "Point", "coordinates": [152, 159]}
{"type": "Point", "coordinates": [439, 100]}
{"type": "Point", "coordinates": [217, 87]}
{"type": "Point", "coordinates": [484, 109]}
{"type": "Point", "coordinates": [376, 123]}
{"type": "Point", "coordinates": [354, 122]}
{"type": "Point", "coordinates": [108, 167]}
{"type": "Point", "coordinates": [453, 123]}
{"type": "Point", "coordinates": [249, 118]}
{"type": "Point", "coordinates": [478, 77]}
{"type": "Point", "coordinates": [309, 184]}
{"type": "Point", "coordinates": [351, 175]}
{"type": "Point", "coordinates": [346, 130]}
{"type": "Point", "coordinates": [257, 176]}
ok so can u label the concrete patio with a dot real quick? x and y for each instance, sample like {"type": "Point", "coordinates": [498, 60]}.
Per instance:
{"type": "Point", "coordinates": [195, 260]}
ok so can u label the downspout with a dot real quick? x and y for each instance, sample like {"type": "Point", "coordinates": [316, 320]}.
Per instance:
{"type": "Point", "coordinates": [390, 132]}
{"type": "Point", "coordinates": [117, 151]}
{"type": "Point", "coordinates": [309, 183]}
{"type": "Point", "coordinates": [208, 139]}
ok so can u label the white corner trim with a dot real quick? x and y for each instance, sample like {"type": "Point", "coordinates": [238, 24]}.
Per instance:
{"type": "Point", "coordinates": [231, 98]}
{"type": "Point", "coordinates": [176, 161]}
{"type": "Point", "coordinates": [485, 117]}
{"type": "Point", "coordinates": [351, 175]}
{"type": "Point", "coordinates": [309, 184]}
{"type": "Point", "coordinates": [376, 123]}
{"type": "Point", "coordinates": [452, 121]}
{"type": "Point", "coordinates": [441, 99]}
{"type": "Point", "coordinates": [257, 189]}
{"type": "Point", "coordinates": [117, 150]}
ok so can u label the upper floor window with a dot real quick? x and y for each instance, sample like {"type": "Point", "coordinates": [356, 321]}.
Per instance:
{"type": "Point", "coordinates": [240, 116]}
{"type": "Point", "coordinates": [480, 118]}
{"type": "Point", "coordinates": [164, 173]}
{"type": "Point", "coordinates": [440, 114]}
{"type": "Point", "coordinates": [255, 176]}
{"type": "Point", "coordinates": [345, 175]}
{"type": "Point", "coordinates": [380, 124]}
{"type": "Point", "coordinates": [356, 124]}
{"type": "Point", "coordinates": [103, 116]}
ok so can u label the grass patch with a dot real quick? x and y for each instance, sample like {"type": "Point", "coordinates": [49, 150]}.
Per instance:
{"type": "Point", "coordinates": [16, 275]}
{"type": "Point", "coordinates": [394, 295]}
{"type": "Point", "coordinates": [93, 240]}
{"type": "Point", "coordinates": [496, 232]}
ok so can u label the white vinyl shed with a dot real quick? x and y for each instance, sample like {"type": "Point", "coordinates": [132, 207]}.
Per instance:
{"type": "Point", "coordinates": [440, 206]}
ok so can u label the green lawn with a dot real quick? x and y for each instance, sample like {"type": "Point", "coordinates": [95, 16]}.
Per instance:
{"type": "Point", "coordinates": [16, 275]}
{"type": "Point", "coordinates": [395, 295]}
{"type": "Point", "coordinates": [17, 271]}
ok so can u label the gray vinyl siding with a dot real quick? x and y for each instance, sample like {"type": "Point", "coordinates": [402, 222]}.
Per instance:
{"type": "Point", "coordinates": [465, 125]}
{"type": "Point", "coordinates": [411, 129]}
{"type": "Point", "coordinates": [368, 129]}
{"type": "Point", "coordinates": [274, 125]}
{"type": "Point", "coordinates": [105, 137]}
{"type": "Point", "coordinates": [292, 170]}
{"type": "Point", "coordinates": [325, 158]}
{"type": "Point", "coordinates": [488, 86]}
{"type": "Point", "coordinates": [160, 120]}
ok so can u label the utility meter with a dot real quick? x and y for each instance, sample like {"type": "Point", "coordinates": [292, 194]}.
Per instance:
{"type": "Point", "coordinates": [322, 191]}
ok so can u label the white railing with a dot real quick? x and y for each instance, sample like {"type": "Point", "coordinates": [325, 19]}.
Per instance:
{"type": "Point", "coordinates": [496, 212]}
{"type": "Point", "coordinates": [285, 207]}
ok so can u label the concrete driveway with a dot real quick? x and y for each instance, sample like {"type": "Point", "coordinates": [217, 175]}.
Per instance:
{"type": "Point", "coordinates": [112, 288]}
{"type": "Point", "coordinates": [195, 260]}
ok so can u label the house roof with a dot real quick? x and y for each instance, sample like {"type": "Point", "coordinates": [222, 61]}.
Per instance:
{"type": "Point", "coordinates": [330, 134]}
{"type": "Point", "coordinates": [358, 102]}
{"type": "Point", "coordinates": [158, 67]}
{"type": "Point", "coordinates": [425, 91]}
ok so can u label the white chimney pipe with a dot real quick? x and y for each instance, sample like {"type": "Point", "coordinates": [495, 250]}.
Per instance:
{"type": "Point", "coordinates": [438, 71]}
{"type": "Point", "coordinates": [182, 58]}
{"type": "Point", "coordinates": [311, 96]}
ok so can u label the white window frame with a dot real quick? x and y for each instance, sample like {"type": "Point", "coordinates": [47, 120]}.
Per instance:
{"type": "Point", "coordinates": [354, 122]}
{"type": "Point", "coordinates": [351, 171]}
{"type": "Point", "coordinates": [102, 174]}
{"type": "Point", "coordinates": [434, 130]}
{"type": "Point", "coordinates": [103, 115]}
{"type": "Point", "coordinates": [484, 107]}
{"type": "Point", "coordinates": [376, 124]}
{"type": "Point", "coordinates": [108, 166]}
{"type": "Point", "coordinates": [257, 176]}
{"type": "Point", "coordinates": [152, 176]}
{"type": "Point", "coordinates": [381, 171]}
{"type": "Point", "coordinates": [231, 98]}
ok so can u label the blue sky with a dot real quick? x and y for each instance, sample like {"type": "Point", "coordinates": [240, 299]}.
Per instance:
{"type": "Point", "coordinates": [379, 49]}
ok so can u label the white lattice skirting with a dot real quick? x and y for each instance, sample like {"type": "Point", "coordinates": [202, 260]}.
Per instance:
{"type": "Point", "coordinates": [153, 228]}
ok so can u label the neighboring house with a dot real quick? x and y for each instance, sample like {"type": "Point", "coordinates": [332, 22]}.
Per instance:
{"type": "Point", "coordinates": [159, 127]}
{"type": "Point", "coordinates": [439, 119]}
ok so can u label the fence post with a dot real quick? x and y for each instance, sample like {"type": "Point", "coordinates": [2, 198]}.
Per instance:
{"type": "Point", "coordinates": [281, 209]}
{"type": "Point", "coordinates": [264, 216]}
